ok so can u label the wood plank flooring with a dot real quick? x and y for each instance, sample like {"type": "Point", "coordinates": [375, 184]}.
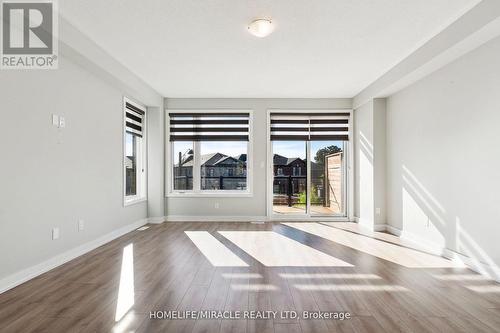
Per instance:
{"type": "Point", "coordinates": [385, 286]}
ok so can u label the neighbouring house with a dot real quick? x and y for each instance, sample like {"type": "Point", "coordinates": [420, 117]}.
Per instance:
{"type": "Point", "coordinates": [218, 171]}
{"type": "Point", "coordinates": [286, 166]}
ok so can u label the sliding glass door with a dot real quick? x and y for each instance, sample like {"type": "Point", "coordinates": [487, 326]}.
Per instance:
{"type": "Point", "coordinates": [309, 163]}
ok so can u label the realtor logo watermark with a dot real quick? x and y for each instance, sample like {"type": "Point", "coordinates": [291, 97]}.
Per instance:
{"type": "Point", "coordinates": [29, 34]}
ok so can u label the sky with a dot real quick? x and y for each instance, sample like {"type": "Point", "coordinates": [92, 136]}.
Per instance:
{"type": "Point", "coordinates": [227, 148]}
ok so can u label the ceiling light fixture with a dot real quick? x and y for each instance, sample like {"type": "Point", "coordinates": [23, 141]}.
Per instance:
{"type": "Point", "coordinates": [261, 27]}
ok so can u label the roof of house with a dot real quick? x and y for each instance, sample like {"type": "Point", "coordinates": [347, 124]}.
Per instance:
{"type": "Point", "coordinates": [228, 160]}
{"type": "Point", "coordinates": [219, 159]}
{"type": "Point", "coordinates": [216, 159]}
{"type": "Point", "coordinates": [241, 157]}
{"type": "Point", "coordinates": [282, 160]}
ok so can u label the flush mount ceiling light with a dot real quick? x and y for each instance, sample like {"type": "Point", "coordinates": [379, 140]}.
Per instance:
{"type": "Point", "coordinates": [261, 27]}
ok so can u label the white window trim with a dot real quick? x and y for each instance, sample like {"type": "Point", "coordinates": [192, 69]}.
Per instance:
{"type": "Point", "coordinates": [143, 183]}
{"type": "Point", "coordinates": [197, 192]}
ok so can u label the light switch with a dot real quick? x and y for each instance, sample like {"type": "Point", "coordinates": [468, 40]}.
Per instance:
{"type": "Point", "coordinates": [62, 122]}
{"type": "Point", "coordinates": [55, 233]}
{"type": "Point", "coordinates": [81, 225]}
{"type": "Point", "coordinates": [55, 120]}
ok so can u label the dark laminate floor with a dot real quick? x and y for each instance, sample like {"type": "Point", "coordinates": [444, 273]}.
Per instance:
{"type": "Point", "coordinates": [241, 266]}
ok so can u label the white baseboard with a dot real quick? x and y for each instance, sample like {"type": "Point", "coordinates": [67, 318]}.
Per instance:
{"type": "Point", "coordinates": [415, 242]}
{"type": "Point", "coordinates": [369, 225]}
{"type": "Point", "coordinates": [29, 273]}
{"type": "Point", "coordinates": [183, 218]}
{"type": "Point", "coordinates": [392, 230]}
{"type": "Point", "coordinates": [157, 220]}
{"type": "Point", "coordinates": [379, 227]}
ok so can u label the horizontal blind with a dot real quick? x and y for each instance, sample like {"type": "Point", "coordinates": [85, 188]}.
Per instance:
{"type": "Point", "coordinates": [200, 126]}
{"type": "Point", "coordinates": [314, 126]}
{"type": "Point", "coordinates": [134, 120]}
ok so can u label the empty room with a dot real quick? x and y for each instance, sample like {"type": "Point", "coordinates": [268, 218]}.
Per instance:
{"type": "Point", "coordinates": [255, 166]}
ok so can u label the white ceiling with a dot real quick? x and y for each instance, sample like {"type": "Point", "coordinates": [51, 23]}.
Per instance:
{"type": "Point", "coordinates": [320, 48]}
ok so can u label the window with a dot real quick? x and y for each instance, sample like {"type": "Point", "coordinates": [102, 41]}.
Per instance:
{"type": "Point", "coordinates": [134, 163]}
{"type": "Point", "coordinates": [209, 152]}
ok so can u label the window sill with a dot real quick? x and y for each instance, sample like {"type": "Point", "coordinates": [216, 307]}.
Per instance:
{"type": "Point", "coordinates": [209, 195]}
{"type": "Point", "coordinates": [133, 201]}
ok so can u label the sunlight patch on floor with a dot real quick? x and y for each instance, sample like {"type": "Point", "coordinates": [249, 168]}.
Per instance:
{"type": "Point", "coordinates": [349, 287]}
{"type": "Point", "coordinates": [241, 275]}
{"type": "Point", "coordinates": [126, 289]}
{"type": "Point", "coordinates": [328, 276]}
{"type": "Point", "coordinates": [485, 289]}
{"type": "Point", "coordinates": [215, 252]}
{"type": "Point", "coordinates": [273, 249]}
{"type": "Point", "coordinates": [461, 277]}
{"type": "Point", "coordinates": [397, 254]}
{"type": "Point", "coordinates": [254, 287]}
{"type": "Point", "coordinates": [123, 326]}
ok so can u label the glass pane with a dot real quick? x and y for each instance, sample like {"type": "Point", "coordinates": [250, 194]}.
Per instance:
{"type": "Point", "coordinates": [327, 177]}
{"type": "Point", "coordinates": [130, 164]}
{"type": "Point", "coordinates": [223, 165]}
{"type": "Point", "coordinates": [183, 165]}
{"type": "Point", "coordinates": [290, 177]}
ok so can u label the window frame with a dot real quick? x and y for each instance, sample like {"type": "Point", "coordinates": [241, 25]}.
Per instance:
{"type": "Point", "coordinates": [197, 191]}
{"type": "Point", "coordinates": [141, 178]}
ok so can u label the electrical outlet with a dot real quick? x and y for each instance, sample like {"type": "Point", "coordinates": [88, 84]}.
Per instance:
{"type": "Point", "coordinates": [377, 211]}
{"type": "Point", "coordinates": [55, 233]}
{"type": "Point", "coordinates": [81, 225]}
{"type": "Point", "coordinates": [216, 205]}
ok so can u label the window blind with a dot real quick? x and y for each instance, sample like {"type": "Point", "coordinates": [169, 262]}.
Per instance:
{"type": "Point", "coordinates": [199, 126]}
{"type": "Point", "coordinates": [134, 120]}
{"type": "Point", "coordinates": [312, 126]}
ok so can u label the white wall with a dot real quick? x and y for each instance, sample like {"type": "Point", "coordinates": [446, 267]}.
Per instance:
{"type": "Point", "coordinates": [52, 177]}
{"type": "Point", "coordinates": [363, 164]}
{"type": "Point", "coordinates": [443, 147]}
{"type": "Point", "coordinates": [369, 163]}
{"type": "Point", "coordinates": [256, 205]}
{"type": "Point", "coordinates": [83, 51]}
{"type": "Point", "coordinates": [156, 159]}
